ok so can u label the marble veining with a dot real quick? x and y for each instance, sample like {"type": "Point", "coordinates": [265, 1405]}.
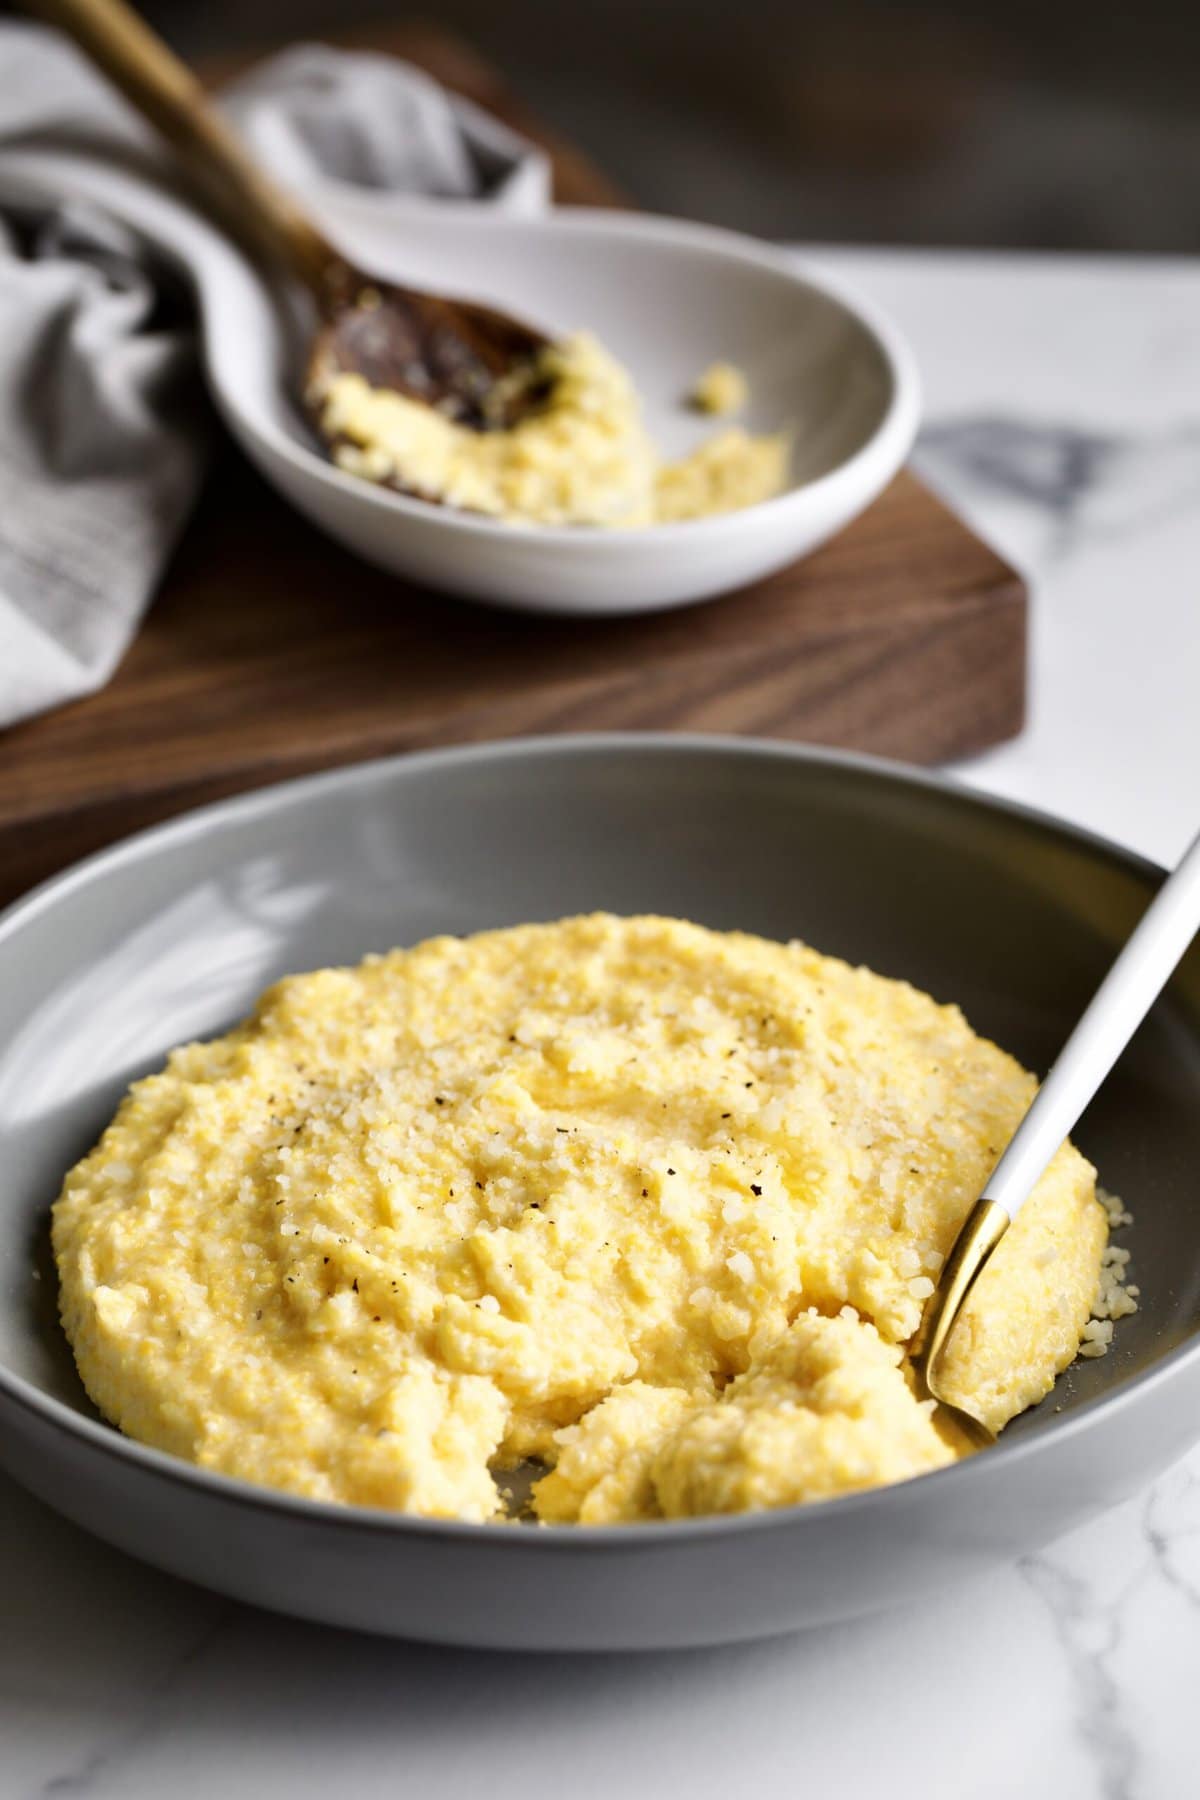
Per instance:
{"type": "Point", "coordinates": [1054, 466]}
{"type": "Point", "coordinates": [1063, 408]}
{"type": "Point", "coordinates": [103, 1762]}
{"type": "Point", "coordinates": [1087, 1633]}
{"type": "Point", "coordinates": [1102, 483]}
{"type": "Point", "coordinates": [1171, 1522]}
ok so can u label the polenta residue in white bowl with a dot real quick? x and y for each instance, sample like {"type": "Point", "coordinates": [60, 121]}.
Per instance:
{"type": "Point", "coordinates": [654, 1205]}
{"type": "Point", "coordinates": [582, 456]}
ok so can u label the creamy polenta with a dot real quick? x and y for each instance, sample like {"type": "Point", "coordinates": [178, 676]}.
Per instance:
{"type": "Point", "coordinates": [583, 457]}
{"type": "Point", "coordinates": [656, 1205]}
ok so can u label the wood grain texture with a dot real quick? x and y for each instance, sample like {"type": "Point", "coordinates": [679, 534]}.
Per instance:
{"type": "Point", "coordinates": [271, 652]}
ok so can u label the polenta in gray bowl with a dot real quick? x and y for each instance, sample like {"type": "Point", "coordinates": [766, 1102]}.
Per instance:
{"type": "Point", "coordinates": [539, 1125]}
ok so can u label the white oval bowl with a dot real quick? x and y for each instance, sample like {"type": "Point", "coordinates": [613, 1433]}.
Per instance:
{"type": "Point", "coordinates": [667, 297]}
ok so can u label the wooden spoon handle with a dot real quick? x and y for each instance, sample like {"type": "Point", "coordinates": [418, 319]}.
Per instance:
{"type": "Point", "coordinates": [164, 91]}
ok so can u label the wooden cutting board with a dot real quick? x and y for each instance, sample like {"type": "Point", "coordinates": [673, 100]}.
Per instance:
{"type": "Point", "coordinates": [270, 652]}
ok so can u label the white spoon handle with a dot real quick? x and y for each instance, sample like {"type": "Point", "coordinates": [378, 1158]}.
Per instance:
{"type": "Point", "coordinates": [1120, 1004]}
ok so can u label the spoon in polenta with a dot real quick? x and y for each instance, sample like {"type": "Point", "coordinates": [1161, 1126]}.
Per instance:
{"type": "Point", "coordinates": [1118, 1007]}
{"type": "Point", "coordinates": [472, 362]}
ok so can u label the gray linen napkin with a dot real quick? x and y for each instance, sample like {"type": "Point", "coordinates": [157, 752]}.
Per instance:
{"type": "Point", "coordinates": [102, 426]}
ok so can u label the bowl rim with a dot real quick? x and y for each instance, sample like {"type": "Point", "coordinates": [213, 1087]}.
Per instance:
{"type": "Point", "coordinates": [292, 795]}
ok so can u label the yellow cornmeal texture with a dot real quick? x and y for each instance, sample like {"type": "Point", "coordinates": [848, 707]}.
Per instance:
{"type": "Point", "coordinates": [721, 389]}
{"type": "Point", "coordinates": [656, 1204]}
{"type": "Point", "coordinates": [584, 458]}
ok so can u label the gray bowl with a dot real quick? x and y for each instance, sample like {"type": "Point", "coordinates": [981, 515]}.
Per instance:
{"type": "Point", "coordinates": [172, 934]}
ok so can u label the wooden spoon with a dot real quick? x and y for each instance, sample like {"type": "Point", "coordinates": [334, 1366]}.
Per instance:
{"type": "Point", "coordinates": [447, 353]}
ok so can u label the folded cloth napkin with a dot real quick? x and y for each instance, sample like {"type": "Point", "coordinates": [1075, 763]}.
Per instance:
{"type": "Point", "coordinates": [103, 428]}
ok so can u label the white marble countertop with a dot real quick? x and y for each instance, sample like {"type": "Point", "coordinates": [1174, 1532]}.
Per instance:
{"type": "Point", "coordinates": [1063, 407]}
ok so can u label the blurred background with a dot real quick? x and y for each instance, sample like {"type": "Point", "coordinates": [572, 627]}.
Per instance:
{"type": "Point", "coordinates": [1049, 124]}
